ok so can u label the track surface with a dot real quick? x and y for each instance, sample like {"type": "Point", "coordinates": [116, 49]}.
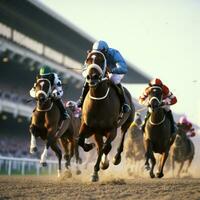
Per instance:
{"type": "Point", "coordinates": [44, 187]}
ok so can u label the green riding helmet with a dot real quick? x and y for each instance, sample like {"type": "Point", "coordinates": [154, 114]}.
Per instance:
{"type": "Point", "coordinates": [45, 71]}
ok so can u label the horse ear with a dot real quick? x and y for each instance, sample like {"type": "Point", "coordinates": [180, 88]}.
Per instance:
{"type": "Point", "coordinates": [89, 51]}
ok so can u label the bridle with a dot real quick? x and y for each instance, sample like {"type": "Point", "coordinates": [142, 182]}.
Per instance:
{"type": "Point", "coordinates": [159, 103]}
{"type": "Point", "coordinates": [46, 94]}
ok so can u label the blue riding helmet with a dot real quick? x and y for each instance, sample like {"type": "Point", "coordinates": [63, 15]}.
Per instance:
{"type": "Point", "coordinates": [100, 46]}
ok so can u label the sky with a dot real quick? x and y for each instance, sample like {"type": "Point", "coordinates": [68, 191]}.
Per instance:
{"type": "Point", "coordinates": [162, 38]}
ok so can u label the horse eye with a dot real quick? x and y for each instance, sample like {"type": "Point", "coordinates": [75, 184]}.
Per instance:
{"type": "Point", "coordinates": [88, 77]}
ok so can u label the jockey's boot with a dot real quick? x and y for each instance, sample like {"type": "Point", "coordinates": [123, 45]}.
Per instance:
{"type": "Point", "coordinates": [171, 118]}
{"type": "Point", "coordinates": [145, 121]}
{"type": "Point", "coordinates": [125, 107]}
{"type": "Point", "coordinates": [83, 95]}
{"type": "Point", "coordinates": [62, 109]}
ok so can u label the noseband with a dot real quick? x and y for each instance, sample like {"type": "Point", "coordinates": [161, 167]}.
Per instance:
{"type": "Point", "coordinates": [159, 103]}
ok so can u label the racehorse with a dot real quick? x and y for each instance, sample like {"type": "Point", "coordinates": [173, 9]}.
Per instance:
{"type": "Point", "coordinates": [101, 113]}
{"type": "Point", "coordinates": [46, 123]}
{"type": "Point", "coordinates": [157, 134]}
{"type": "Point", "coordinates": [134, 145]}
{"type": "Point", "coordinates": [182, 149]}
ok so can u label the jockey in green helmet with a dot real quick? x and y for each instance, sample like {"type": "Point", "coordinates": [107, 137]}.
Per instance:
{"type": "Point", "coordinates": [57, 93]}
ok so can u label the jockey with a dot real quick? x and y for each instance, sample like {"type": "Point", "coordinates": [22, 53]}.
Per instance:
{"type": "Point", "coordinates": [74, 108]}
{"type": "Point", "coordinates": [184, 121]}
{"type": "Point", "coordinates": [57, 92]}
{"type": "Point", "coordinates": [168, 99]}
{"type": "Point", "coordinates": [117, 69]}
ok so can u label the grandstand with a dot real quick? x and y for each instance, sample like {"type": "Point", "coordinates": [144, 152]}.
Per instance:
{"type": "Point", "coordinates": [32, 35]}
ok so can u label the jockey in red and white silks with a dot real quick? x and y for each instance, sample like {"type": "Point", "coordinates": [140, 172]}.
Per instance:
{"type": "Point", "coordinates": [168, 100]}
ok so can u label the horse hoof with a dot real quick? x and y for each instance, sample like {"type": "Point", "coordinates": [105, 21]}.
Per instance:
{"type": "Point", "coordinates": [159, 175]}
{"type": "Point", "coordinates": [95, 178]}
{"type": "Point", "coordinates": [117, 160]}
{"type": "Point", "coordinates": [44, 164]}
{"type": "Point", "coordinates": [88, 147]}
{"type": "Point", "coordinates": [147, 167]}
{"type": "Point", "coordinates": [152, 175]}
{"type": "Point", "coordinates": [104, 165]}
{"type": "Point", "coordinates": [33, 150]}
{"type": "Point", "coordinates": [67, 174]}
{"type": "Point", "coordinates": [78, 172]}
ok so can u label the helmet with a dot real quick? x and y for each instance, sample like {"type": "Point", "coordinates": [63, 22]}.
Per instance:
{"type": "Point", "coordinates": [45, 70]}
{"type": "Point", "coordinates": [100, 45]}
{"type": "Point", "coordinates": [183, 120]}
{"type": "Point", "coordinates": [71, 104]}
{"type": "Point", "coordinates": [156, 81]}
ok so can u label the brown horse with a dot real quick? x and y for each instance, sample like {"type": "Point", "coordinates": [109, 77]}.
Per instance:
{"type": "Point", "coordinates": [134, 145]}
{"type": "Point", "coordinates": [157, 134]}
{"type": "Point", "coordinates": [101, 113]}
{"type": "Point", "coordinates": [182, 149]}
{"type": "Point", "coordinates": [46, 123]}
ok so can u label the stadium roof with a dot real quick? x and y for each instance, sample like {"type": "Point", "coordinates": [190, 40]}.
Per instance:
{"type": "Point", "coordinates": [37, 21]}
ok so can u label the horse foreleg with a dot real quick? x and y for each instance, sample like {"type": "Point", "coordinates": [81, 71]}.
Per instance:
{"type": "Point", "coordinates": [173, 165]}
{"type": "Point", "coordinates": [180, 168]}
{"type": "Point", "coordinates": [84, 133]}
{"type": "Point", "coordinates": [43, 158]}
{"type": "Point", "coordinates": [163, 159]}
{"type": "Point", "coordinates": [78, 159]}
{"type": "Point", "coordinates": [117, 157]}
{"type": "Point", "coordinates": [99, 141]}
{"type": "Point", "coordinates": [149, 155]}
{"type": "Point", "coordinates": [58, 153]}
{"type": "Point", "coordinates": [189, 163]}
{"type": "Point", "coordinates": [33, 145]}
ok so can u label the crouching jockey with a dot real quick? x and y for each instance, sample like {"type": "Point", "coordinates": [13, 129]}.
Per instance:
{"type": "Point", "coordinates": [72, 105]}
{"type": "Point", "coordinates": [168, 99]}
{"type": "Point", "coordinates": [56, 92]}
{"type": "Point", "coordinates": [187, 125]}
{"type": "Point", "coordinates": [117, 69]}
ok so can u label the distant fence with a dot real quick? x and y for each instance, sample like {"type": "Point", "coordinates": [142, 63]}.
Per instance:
{"type": "Point", "coordinates": [25, 166]}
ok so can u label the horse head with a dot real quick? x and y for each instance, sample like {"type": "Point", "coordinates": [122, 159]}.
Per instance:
{"type": "Point", "coordinates": [42, 90]}
{"type": "Point", "coordinates": [155, 98]}
{"type": "Point", "coordinates": [96, 68]}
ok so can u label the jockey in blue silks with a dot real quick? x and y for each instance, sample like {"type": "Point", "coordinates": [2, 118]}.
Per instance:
{"type": "Point", "coordinates": [117, 69]}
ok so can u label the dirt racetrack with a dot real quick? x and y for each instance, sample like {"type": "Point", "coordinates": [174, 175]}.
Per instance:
{"type": "Point", "coordinates": [45, 187]}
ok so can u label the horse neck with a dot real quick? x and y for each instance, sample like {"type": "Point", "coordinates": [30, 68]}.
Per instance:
{"type": "Point", "coordinates": [44, 107]}
{"type": "Point", "coordinates": [158, 115]}
{"type": "Point", "coordinates": [100, 90]}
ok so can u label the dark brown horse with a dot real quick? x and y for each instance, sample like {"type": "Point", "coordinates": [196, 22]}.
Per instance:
{"type": "Point", "coordinates": [46, 123]}
{"type": "Point", "coordinates": [182, 149]}
{"type": "Point", "coordinates": [157, 135]}
{"type": "Point", "coordinates": [101, 113]}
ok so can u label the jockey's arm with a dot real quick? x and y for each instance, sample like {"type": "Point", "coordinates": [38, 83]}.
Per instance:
{"type": "Point", "coordinates": [143, 99]}
{"type": "Point", "coordinates": [120, 64]}
{"type": "Point", "coordinates": [57, 91]}
{"type": "Point", "coordinates": [170, 99]}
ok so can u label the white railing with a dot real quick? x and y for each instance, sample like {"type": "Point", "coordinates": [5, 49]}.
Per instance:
{"type": "Point", "coordinates": [25, 165]}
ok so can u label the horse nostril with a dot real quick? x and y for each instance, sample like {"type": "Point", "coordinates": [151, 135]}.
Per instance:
{"type": "Point", "coordinates": [88, 77]}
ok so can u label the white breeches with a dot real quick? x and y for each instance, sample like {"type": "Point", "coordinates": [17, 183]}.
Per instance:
{"type": "Point", "coordinates": [116, 78]}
